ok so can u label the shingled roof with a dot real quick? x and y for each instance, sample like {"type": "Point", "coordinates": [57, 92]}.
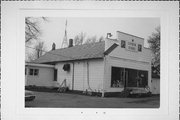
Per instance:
{"type": "Point", "coordinates": [80, 52]}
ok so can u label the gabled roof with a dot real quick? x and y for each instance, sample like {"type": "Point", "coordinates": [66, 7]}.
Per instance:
{"type": "Point", "coordinates": [80, 52]}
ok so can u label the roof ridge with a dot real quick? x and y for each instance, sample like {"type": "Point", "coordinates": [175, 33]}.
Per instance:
{"type": "Point", "coordinates": [80, 52]}
{"type": "Point", "coordinates": [79, 45]}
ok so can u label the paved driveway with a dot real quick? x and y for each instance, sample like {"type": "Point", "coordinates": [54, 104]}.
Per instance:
{"type": "Point", "coordinates": [64, 100]}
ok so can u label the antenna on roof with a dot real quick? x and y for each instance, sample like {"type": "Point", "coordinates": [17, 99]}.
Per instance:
{"type": "Point", "coordinates": [65, 42]}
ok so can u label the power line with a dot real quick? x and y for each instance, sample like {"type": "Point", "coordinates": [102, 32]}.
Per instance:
{"type": "Point", "coordinates": [50, 53]}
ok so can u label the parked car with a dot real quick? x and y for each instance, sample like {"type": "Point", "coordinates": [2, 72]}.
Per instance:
{"type": "Point", "coordinates": [29, 95]}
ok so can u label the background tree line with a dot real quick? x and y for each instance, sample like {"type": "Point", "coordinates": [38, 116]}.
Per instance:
{"type": "Point", "coordinates": [154, 43]}
{"type": "Point", "coordinates": [81, 38]}
{"type": "Point", "coordinates": [35, 47]}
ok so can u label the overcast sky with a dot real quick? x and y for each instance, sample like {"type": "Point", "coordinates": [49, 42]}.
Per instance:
{"type": "Point", "coordinates": [53, 30]}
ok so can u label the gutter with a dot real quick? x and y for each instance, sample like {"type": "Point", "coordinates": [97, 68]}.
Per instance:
{"type": "Point", "coordinates": [73, 77]}
{"type": "Point", "coordinates": [88, 76]}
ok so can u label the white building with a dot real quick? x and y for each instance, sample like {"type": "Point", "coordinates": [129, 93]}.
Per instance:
{"type": "Point", "coordinates": [107, 66]}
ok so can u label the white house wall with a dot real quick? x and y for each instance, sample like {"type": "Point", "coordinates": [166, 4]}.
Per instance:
{"type": "Point", "coordinates": [96, 73]}
{"type": "Point", "coordinates": [79, 76]}
{"type": "Point", "coordinates": [123, 57]}
{"type": "Point", "coordinates": [62, 75]}
{"type": "Point", "coordinates": [44, 78]}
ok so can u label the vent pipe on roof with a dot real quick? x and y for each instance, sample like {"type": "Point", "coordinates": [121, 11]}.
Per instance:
{"type": "Point", "coordinates": [109, 35]}
{"type": "Point", "coordinates": [53, 46]}
{"type": "Point", "coordinates": [70, 43]}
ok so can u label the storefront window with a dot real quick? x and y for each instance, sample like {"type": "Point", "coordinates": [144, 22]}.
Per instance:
{"type": "Point", "coordinates": [126, 77]}
{"type": "Point", "coordinates": [117, 77]}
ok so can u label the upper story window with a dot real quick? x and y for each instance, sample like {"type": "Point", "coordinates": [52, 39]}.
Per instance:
{"type": "Point", "coordinates": [34, 72]}
{"type": "Point", "coordinates": [139, 47]}
{"type": "Point", "coordinates": [123, 44]}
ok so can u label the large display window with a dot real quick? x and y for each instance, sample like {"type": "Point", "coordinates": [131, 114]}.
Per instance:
{"type": "Point", "coordinates": [126, 77]}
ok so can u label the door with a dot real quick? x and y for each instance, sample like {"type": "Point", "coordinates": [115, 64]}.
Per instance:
{"type": "Point", "coordinates": [55, 74]}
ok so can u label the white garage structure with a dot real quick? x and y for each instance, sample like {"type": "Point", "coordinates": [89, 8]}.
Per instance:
{"type": "Point", "coordinates": [107, 66]}
{"type": "Point", "coordinates": [39, 75]}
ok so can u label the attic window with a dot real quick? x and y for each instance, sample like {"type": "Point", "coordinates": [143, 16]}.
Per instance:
{"type": "Point", "coordinates": [123, 44]}
{"type": "Point", "coordinates": [66, 67]}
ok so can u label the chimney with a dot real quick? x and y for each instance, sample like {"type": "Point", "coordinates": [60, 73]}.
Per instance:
{"type": "Point", "coordinates": [53, 46]}
{"type": "Point", "coordinates": [109, 35]}
{"type": "Point", "coordinates": [70, 43]}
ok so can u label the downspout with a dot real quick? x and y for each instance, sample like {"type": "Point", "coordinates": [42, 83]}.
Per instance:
{"type": "Point", "coordinates": [88, 76]}
{"type": "Point", "coordinates": [73, 76]}
{"type": "Point", "coordinates": [104, 76]}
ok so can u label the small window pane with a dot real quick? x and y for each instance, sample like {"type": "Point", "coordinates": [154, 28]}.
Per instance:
{"type": "Point", "coordinates": [140, 48]}
{"type": "Point", "coordinates": [30, 71]}
{"type": "Point", "coordinates": [36, 71]}
{"type": "Point", "coordinates": [123, 44]}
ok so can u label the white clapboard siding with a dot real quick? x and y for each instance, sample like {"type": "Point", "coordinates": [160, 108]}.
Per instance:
{"type": "Point", "coordinates": [96, 75]}
{"type": "Point", "coordinates": [62, 75]}
{"type": "Point", "coordinates": [44, 78]}
{"type": "Point", "coordinates": [96, 72]}
{"type": "Point", "coordinates": [79, 76]}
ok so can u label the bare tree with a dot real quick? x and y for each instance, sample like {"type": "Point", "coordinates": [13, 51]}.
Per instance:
{"type": "Point", "coordinates": [101, 39]}
{"type": "Point", "coordinates": [79, 39]}
{"type": "Point", "coordinates": [32, 37]}
{"type": "Point", "coordinates": [40, 48]}
{"type": "Point", "coordinates": [32, 28]}
{"type": "Point", "coordinates": [154, 41]}
{"type": "Point", "coordinates": [35, 51]}
{"type": "Point", "coordinates": [91, 40]}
